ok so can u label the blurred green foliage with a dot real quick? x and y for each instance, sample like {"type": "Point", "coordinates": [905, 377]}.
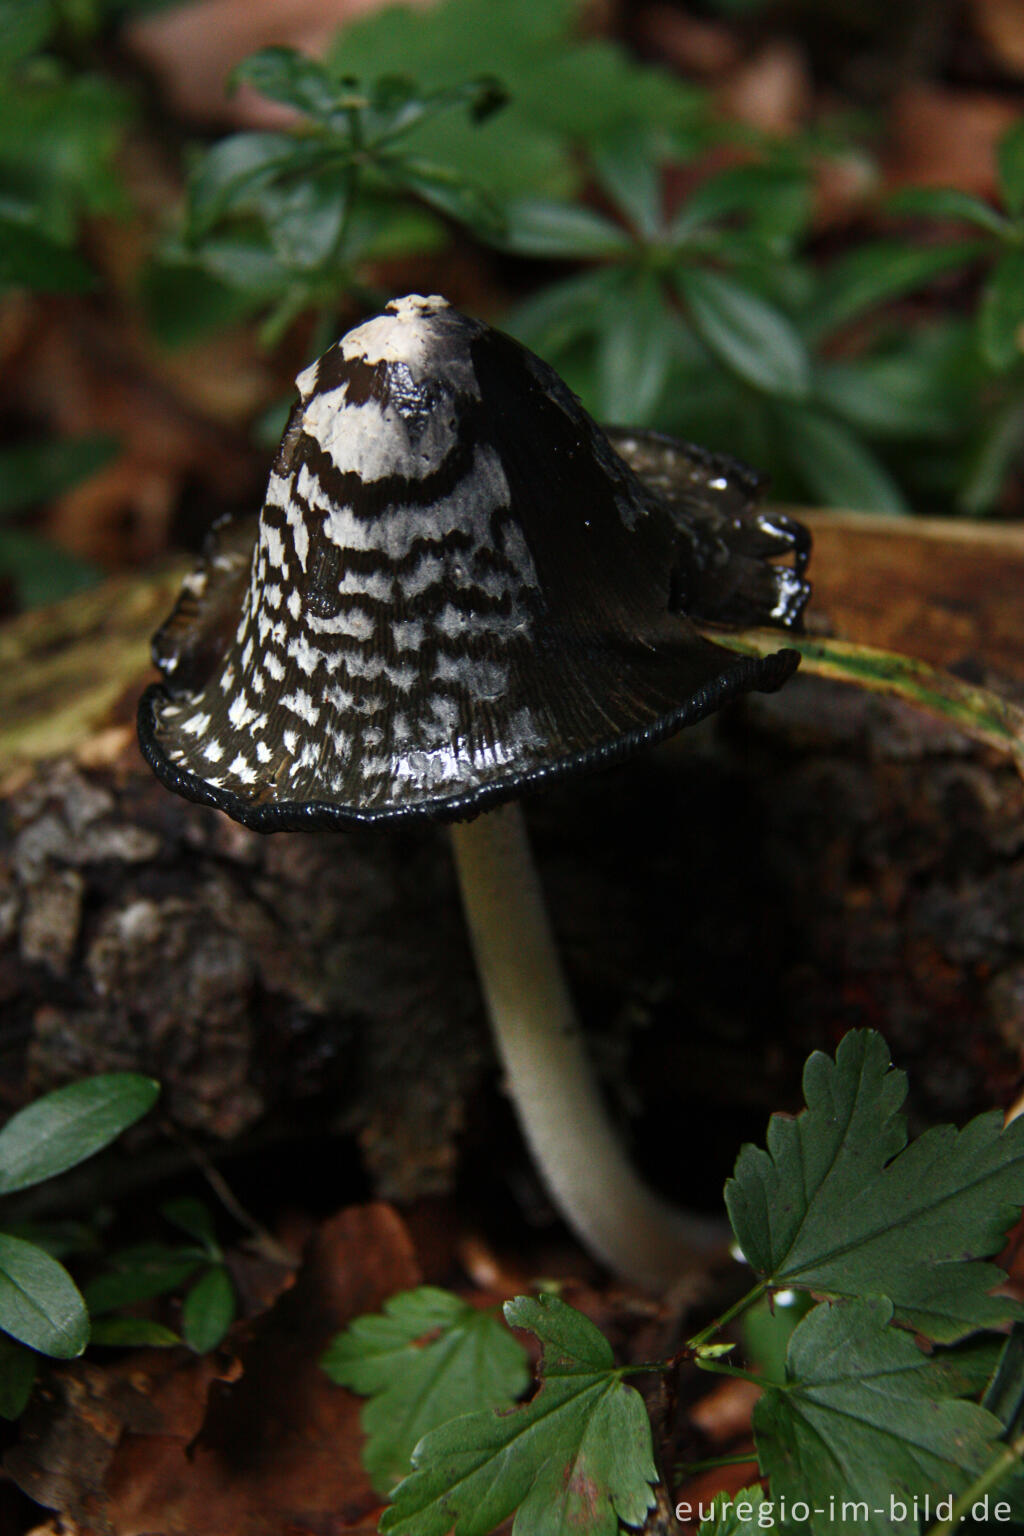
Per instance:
{"type": "Point", "coordinates": [888, 377]}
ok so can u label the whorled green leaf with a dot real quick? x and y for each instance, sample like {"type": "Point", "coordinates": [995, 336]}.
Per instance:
{"type": "Point", "coordinates": [751, 337]}
{"type": "Point", "coordinates": [836, 465]}
{"type": "Point", "coordinates": [864, 1425]}
{"type": "Point", "coordinates": [208, 1310]}
{"type": "Point", "coordinates": [774, 202]}
{"type": "Point", "coordinates": [1001, 314]}
{"type": "Point", "coordinates": [1010, 160]}
{"type": "Point", "coordinates": [131, 1333]}
{"type": "Point", "coordinates": [294, 79]}
{"type": "Point", "coordinates": [536, 226]}
{"type": "Point", "coordinates": [193, 1217]}
{"type": "Point", "coordinates": [576, 1459]}
{"type": "Point", "coordinates": [450, 193]}
{"type": "Point", "coordinates": [626, 165]}
{"type": "Point", "coordinates": [139, 1274]}
{"type": "Point", "coordinates": [561, 314]}
{"type": "Point", "coordinates": [17, 1377]}
{"type": "Point", "coordinates": [840, 1204]}
{"type": "Point", "coordinates": [230, 174]}
{"type": "Point", "coordinates": [634, 354]}
{"type": "Point", "coordinates": [947, 203]}
{"type": "Point", "coordinates": [40, 1304]}
{"type": "Point", "coordinates": [66, 1126]}
{"type": "Point", "coordinates": [978, 712]}
{"type": "Point", "coordinates": [991, 458]}
{"type": "Point", "coordinates": [875, 274]}
{"type": "Point", "coordinates": [425, 1359]}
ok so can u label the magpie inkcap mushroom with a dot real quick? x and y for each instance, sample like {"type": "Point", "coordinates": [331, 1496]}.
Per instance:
{"type": "Point", "coordinates": [459, 588]}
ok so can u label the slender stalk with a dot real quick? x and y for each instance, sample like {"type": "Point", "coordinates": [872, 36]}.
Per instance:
{"type": "Point", "coordinates": [996, 1472]}
{"type": "Point", "coordinates": [548, 1074]}
{"type": "Point", "coordinates": [717, 1324]}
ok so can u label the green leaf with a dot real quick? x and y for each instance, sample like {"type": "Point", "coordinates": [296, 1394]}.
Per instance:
{"type": "Point", "coordinates": [875, 274]}
{"type": "Point", "coordinates": [70, 1124]}
{"type": "Point", "coordinates": [425, 1359]}
{"type": "Point", "coordinates": [39, 1302]}
{"type": "Point", "coordinates": [538, 226]}
{"type": "Point", "coordinates": [840, 1204]}
{"type": "Point", "coordinates": [209, 1310]}
{"type": "Point", "coordinates": [836, 466]}
{"type": "Point", "coordinates": [1010, 160]}
{"type": "Point", "coordinates": [627, 167]}
{"type": "Point", "coordinates": [634, 354]}
{"type": "Point", "coordinates": [193, 1217]}
{"type": "Point", "coordinates": [450, 193]}
{"type": "Point", "coordinates": [774, 201]}
{"type": "Point", "coordinates": [292, 78]}
{"type": "Point", "coordinates": [948, 203]}
{"type": "Point", "coordinates": [30, 259]}
{"type": "Point", "coordinates": [897, 396]}
{"type": "Point", "coordinates": [237, 168]}
{"type": "Point", "coordinates": [734, 1514]}
{"type": "Point", "coordinates": [575, 1459]}
{"type": "Point", "coordinates": [1001, 314]}
{"type": "Point", "coordinates": [42, 572]}
{"type": "Point", "coordinates": [863, 1425]}
{"type": "Point", "coordinates": [139, 1274]}
{"type": "Point", "coordinates": [992, 458]}
{"type": "Point", "coordinates": [556, 317]}
{"type": "Point", "coordinates": [17, 1377]}
{"type": "Point", "coordinates": [36, 472]}
{"type": "Point", "coordinates": [25, 25]}
{"type": "Point", "coordinates": [131, 1333]}
{"type": "Point", "coordinates": [752, 338]}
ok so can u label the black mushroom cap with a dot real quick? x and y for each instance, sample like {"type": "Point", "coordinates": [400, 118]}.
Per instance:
{"type": "Point", "coordinates": [458, 589]}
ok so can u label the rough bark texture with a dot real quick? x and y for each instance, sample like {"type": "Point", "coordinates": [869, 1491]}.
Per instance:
{"type": "Point", "coordinates": [804, 864]}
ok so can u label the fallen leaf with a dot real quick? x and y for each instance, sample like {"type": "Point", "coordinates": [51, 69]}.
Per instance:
{"type": "Point", "coordinates": [173, 1445]}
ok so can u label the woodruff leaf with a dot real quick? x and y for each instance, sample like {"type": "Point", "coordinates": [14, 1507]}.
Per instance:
{"type": "Point", "coordinates": [472, 1363]}
{"type": "Point", "coordinates": [40, 1304]}
{"type": "Point", "coordinates": [840, 1204]}
{"type": "Point", "coordinates": [864, 1425]}
{"type": "Point", "coordinates": [576, 1458]}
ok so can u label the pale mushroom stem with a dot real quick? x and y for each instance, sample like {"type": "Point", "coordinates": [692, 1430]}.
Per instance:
{"type": "Point", "coordinates": [548, 1073]}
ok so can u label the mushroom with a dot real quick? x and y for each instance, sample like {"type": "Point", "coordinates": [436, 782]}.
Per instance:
{"type": "Point", "coordinates": [459, 591]}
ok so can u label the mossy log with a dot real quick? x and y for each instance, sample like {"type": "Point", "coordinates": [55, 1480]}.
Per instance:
{"type": "Point", "coordinates": [805, 863]}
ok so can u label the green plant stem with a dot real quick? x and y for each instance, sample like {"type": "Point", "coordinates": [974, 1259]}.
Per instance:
{"type": "Point", "coordinates": [718, 1368]}
{"type": "Point", "coordinates": [745, 1301]}
{"type": "Point", "coordinates": [992, 1476]}
{"type": "Point", "coordinates": [712, 1463]}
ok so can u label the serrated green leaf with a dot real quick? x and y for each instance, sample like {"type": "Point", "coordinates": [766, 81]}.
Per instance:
{"type": "Point", "coordinates": [751, 337]}
{"type": "Point", "coordinates": [131, 1333]}
{"type": "Point", "coordinates": [1010, 160]}
{"type": "Point", "coordinates": [17, 1377]}
{"type": "Point", "coordinates": [208, 1310]}
{"type": "Point", "coordinates": [947, 203]}
{"type": "Point", "coordinates": [862, 1421]}
{"type": "Point", "coordinates": [840, 1204]}
{"type": "Point", "coordinates": [836, 465]}
{"type": "Point", "coordinates": [40, 1304]}
{"type": "Point", "coordinates": [1001, 313]}
{"type": "Point", "coordinates": [419, 1381]}
{"type": "Point", "coordinates": [735, 1514]}
{"type": "Point", "coordinates": [575, 1459]}
{"type": "Point", "coordinates": [66, 1126]}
